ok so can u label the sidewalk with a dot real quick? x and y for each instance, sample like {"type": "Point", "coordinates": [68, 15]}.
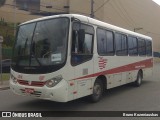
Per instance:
{"type": "Point", "coordinates": [4, 85]}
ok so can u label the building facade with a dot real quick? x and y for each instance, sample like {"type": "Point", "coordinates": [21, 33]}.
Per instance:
{"type": "Point", "coordinates": [139, 15]}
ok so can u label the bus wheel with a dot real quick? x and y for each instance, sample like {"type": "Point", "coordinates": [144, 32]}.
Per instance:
{"type": "Point", "coordinates": [138, 81]}
{"type": "Point", "coordinates": [97, 91]}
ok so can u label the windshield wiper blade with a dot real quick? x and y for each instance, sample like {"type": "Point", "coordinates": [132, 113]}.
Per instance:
{"type": "Point", "coordinates": [36, 59]}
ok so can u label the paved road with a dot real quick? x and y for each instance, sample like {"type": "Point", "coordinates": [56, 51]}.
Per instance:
{"type": "Point", "coordinates": [124, 98]}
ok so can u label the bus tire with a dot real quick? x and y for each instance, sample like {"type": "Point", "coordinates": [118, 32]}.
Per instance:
{"type": "Point", "coordinates": [138, 81]}
{"type": "Point", "coordinates": [97, 91]}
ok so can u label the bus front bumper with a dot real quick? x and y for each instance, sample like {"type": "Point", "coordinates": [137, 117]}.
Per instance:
{"type": "Point", "coordinates": [57, 93]}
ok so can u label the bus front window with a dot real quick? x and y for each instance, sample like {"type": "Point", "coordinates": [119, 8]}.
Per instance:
{"type": "Point", "coordinates": [41, 44]}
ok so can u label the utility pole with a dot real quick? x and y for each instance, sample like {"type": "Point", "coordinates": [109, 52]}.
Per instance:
{"type": "Point", "coordinates": [15, 17]}
{"type": "Point", "coordinates": [92, 8]}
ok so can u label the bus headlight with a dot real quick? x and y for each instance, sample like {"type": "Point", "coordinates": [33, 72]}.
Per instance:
{"type": "Point", "coordinates": [54, 81]}
{"type": "Point", "coordinates": [14, 80]}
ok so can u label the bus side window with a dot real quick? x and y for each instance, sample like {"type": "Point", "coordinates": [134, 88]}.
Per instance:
{"type": "Point", "coordinates": [82, 44]}
{"type": "Point", "coordinates": [121, 44]}
{"type": "Point", "coordinates": [148, 48]}
{"type": "Point", "coordinates": [74, 42]}
{"type": "Point", "coordinates": [87, 45]}
{"type": "Point", "coordinates": [101, 41]}
{"type": "Point", "coordinates": [105, 41]}
{"type": "Point", "coordinates": [132, 46]}
{"type": "Point", "coordinates": [141, 47]}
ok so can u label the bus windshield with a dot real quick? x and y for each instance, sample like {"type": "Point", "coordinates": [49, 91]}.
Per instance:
{"type": "Point", "coordinates": [41, 44]}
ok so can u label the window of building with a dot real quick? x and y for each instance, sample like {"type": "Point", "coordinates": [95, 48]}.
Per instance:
{"type": "Point", "coordinates": [121, 44]}
{"type": "Point", "coordinates": [132, 46]}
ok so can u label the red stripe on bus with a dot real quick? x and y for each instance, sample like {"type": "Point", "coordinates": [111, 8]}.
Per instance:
{"type": "Point", "coordinates": [102, 61]}
{"type": "Point", "coordinates": [130, 67]}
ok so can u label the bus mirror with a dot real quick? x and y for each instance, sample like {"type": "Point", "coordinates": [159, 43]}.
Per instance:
{"type": "Point", "coordinates": [81, 37]}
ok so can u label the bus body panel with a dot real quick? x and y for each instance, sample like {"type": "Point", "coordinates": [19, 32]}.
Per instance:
{"type": "Point", "coordinates": [78, 81]}
{"type": "Point", "coordinates": [83, 86]}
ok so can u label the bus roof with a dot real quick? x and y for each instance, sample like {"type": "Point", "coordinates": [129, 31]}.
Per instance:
{"type": "Point", "coordinates": [92, 21]}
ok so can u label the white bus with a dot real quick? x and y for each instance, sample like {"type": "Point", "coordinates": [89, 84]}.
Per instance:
{"type": "Point", "coordinates": [66, 57]}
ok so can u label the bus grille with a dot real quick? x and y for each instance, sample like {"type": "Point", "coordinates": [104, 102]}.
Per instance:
{"type": "Point", "coordinates": [35, 93]}
{"type": "Point", "coordinates": [32, 83]}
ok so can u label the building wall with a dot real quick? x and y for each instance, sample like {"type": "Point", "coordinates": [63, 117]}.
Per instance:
{"type": "Point", "coordinates": [9, 13]}
{"type": "Point", "coordinates": [29, 5]}
{"type": "Point", "coordinates": [128, 14]}
{"type": "Point", "coordinates": [84, 7]}
{"type": "Point", "coordinates": [57, 6]}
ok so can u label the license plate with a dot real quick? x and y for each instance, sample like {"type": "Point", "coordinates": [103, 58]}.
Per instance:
{"type": "Point", "coordinates": [29, 90]}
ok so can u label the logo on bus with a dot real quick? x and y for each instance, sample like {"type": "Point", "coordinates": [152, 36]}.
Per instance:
{"type": "Point", "coordinates": [102, 63]}
{"type": "Point", "coordinates": [41, 78]}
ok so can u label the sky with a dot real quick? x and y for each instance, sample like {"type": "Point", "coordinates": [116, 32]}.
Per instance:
{"type": "Point", "coordinates": [156, 1]}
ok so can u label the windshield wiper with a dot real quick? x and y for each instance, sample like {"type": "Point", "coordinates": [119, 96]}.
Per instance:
{"type": "Point", "coordinates": [33, 55]}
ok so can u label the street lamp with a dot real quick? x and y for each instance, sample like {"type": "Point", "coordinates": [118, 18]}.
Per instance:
{"type": "Point", "coordinates": [1, 40]}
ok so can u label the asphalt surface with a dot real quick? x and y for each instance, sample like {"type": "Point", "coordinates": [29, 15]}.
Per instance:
{"type": "Point", "coordinates": [124, 98]}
